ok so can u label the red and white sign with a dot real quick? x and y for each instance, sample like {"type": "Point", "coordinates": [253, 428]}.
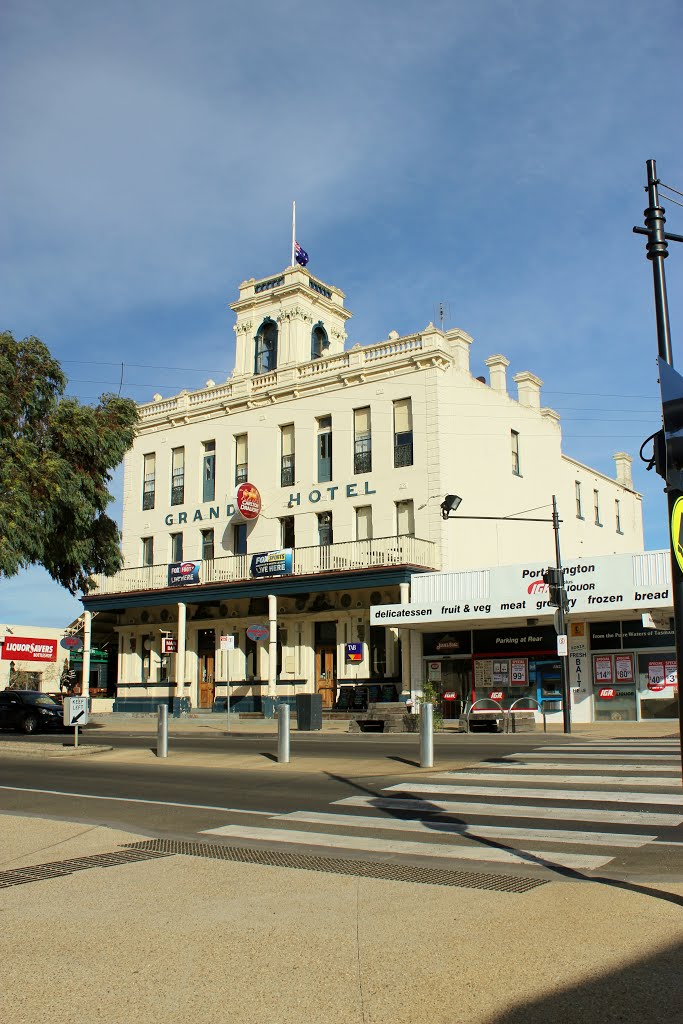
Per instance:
{"type": "Point", "coordinates": [602, 667]}
{"type": "Point", "coordinates": [607, 693]}
{"type": "Point", "coordinates": [496, 695]}
{"type": "Point", "coordinates": [248, 501]}
{"type": "Point", "coordinates": [449, 695]}
{"type": "Point", "coordinates": [28, 648]}
{"type": "Point", "coordinates": [671, 673]}
{"type": "Point", "coordinates": [623, 666]}
{"type": "Point", "coordinates": [518, 671]}
{"type": "Point", "coordinates": [169, 645]}
{"type": "Point", "coordinates": [656, 680]}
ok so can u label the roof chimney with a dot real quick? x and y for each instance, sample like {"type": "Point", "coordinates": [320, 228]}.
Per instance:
{"type": "Point", "coordinates": [528, 389]}
{"type": "Point", "coordinates": [497, 365]}
{"type": "Point", "coordinates": [623, 463]}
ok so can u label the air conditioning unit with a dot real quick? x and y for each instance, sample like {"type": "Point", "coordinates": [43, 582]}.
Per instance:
{"type": "Point", "coordinates": [164, 616]}
{"type": "Point", "coordinates": [345, 601]}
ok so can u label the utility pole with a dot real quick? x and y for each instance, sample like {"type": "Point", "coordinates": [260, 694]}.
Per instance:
{"type": "Point", "coordinates": [657, 252]}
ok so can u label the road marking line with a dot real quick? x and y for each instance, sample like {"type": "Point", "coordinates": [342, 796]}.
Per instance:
{"type": "Point", "coordinates": [596, 795]}
{"type": "Point", "coordinates": [623, 758]}
{"type": "Point", "coordinates": [556, 766]}
{"type": "Point", "coordinates": [436, 850]}
{"type": "Point", "coordinates": [485, 831]}
{"type": "Point", "coordinates": [137, 800]}
{"type": "Point", "coordinates": [609, 815]}
{"type": "Point", "coordinates": [572, 778]}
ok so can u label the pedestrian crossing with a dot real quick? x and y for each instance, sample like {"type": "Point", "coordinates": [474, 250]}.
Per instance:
{"type": "Point", "coordinates": [569, 813]}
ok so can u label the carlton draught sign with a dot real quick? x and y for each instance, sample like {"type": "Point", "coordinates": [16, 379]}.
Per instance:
{"type": "Point", "coordinates": [27, 648]}
{"type": "Point", "coordinates": [248, 501]}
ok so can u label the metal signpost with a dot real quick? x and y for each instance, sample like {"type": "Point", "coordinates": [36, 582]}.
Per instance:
{"type": "Point", "coordinates": [75, 713]}
{"type": "Point", "coordinates": [427, 736]}
{"type": "Point", "coordinates": [283, 733]}
{"type": "Point", "coordinates": [162, 731]}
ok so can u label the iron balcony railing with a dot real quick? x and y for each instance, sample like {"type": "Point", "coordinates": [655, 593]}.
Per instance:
{"type": "Point", "coordinates": [347, 556]}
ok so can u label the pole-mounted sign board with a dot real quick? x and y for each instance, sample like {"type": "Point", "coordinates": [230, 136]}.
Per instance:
{"type": "Point", "coordinates": [75, 711]}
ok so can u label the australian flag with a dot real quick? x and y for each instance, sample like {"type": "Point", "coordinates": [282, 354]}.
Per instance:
{"type": "Point", "coordinates": [300, 255]}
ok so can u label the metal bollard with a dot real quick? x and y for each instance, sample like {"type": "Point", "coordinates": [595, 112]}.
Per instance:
{"type": "Point", "coordinates": [426, 736]}
{"type": "Point", "coordinates": [283, 734]}
{"type": "Point", "coordinates": [162, 731]}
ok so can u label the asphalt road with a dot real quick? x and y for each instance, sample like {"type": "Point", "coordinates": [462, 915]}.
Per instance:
{"type": "Point", "coordinates": [597, 824]}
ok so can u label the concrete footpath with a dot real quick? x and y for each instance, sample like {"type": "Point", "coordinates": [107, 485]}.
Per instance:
{"type": "Point", "coordinates": [185, 938]}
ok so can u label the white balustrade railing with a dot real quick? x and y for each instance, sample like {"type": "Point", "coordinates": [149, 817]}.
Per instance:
{"type": "Point", "coordinates": [351, 359]}
{"type": "Point", "coordinates": [347, 556]}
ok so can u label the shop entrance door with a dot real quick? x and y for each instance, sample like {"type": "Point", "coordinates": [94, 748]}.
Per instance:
{"type": "Point", "coordinates": [456, 678]}
{"type": "Point", "coordinates": [207, 667]}
{"type": "Point", "coordinates": [325, 682]}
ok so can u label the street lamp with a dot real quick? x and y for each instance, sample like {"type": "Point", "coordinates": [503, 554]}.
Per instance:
{"type": "Point", "coordinates": [452, 502]}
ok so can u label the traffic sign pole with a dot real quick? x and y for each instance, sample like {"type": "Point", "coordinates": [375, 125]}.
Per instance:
{"type": "Point", "coordinates": [657, 252]}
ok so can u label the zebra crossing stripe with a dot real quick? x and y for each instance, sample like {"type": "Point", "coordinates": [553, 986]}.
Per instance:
{"type": "Point", "coordinates": [612, 815]}
{"type": "Point", "coordinates": [429, 827]}
{"type": "Point", "coordinates": [556, 766]}
{"type": "Point", "coordinates": [571, 779]}
{"type": "Point", "coordinates": [655, 758]}
{"type": "Point", "coordinates": [607, 795]}
{"type": "Point", "coordinates": [406, 847]}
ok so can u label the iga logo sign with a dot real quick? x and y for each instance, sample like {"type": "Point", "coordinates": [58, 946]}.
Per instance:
{"type": "Point", "coordinates": [607, 693]}
{"type": "Point", "coordinates": [180, 574]}
{"type": "Point", "coordinates": [537, 587]}
{"type": "Point", "coordinates": [248, 501]}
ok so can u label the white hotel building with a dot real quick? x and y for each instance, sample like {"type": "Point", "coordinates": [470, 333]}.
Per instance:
{"type": "Point", "coordinates": [351, 450]}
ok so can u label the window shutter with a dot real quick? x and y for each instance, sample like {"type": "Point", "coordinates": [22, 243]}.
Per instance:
{"type": "Point", "coordinates": [288, 439]}
{"type": "Point", "coordinates": [362, 422]}
{"type": "Point", "coordinates": [403, 416]}
{"type": "Point", "coordinates": [364, 523]}
{"type": "Point", "coordinates": [241, 449]}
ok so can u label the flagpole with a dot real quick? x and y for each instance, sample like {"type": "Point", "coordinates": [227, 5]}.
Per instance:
{"type": "Point", "coordinates": [293, 230]}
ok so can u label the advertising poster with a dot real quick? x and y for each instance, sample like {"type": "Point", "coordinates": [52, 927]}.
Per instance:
{"type": "Point", "coordinates": [28, 648]}
{"type": "Point", "coordinates": [602, 668]}
{"type": "Point", "coordinates": [181, 574]}
{"type": "Point", "coordinates": [518, 674]}
{"type": "Point", "coordinates": [483, 674]}
{"type": "Point", "coordinates": [434, 672]}
{"type": "Point", "coordinates": [354, 652]}
{"type": "Point", "coordinates": [169, 645]}
{"type": "Point", "coordinates": [623, 667]}
{"type": "Point", "coordinates": [272, 563]}
{"type": "Point", "coordinates": [671, 673]}
{"type": "Point", "coordinates": [655, 676]}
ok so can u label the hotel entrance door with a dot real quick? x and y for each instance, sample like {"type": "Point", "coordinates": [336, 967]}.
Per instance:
{"type": "Point", "coordinates": [206, 650]}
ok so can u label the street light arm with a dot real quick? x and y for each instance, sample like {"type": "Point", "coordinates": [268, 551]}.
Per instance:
{"type": "Point", "coordinates": [503, 519]}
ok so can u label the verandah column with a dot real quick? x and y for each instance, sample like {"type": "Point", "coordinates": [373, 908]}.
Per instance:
{"type": "Point", "coordinates": [180, 658]}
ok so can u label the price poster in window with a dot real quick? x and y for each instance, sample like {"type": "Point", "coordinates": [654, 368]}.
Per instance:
{"type": "Point", "coordinates": [501, 672]}
{"type": "Point", "coordinates": [518, 671]}
{"type": "Point", "coordinates": [655, 675]}
{"type": "Point", "coordinates": [602, 668]}
{"type": "Point", "coordinates": [623, 664]}
{"type": "Point", "coordinates": [483, 674]}
{"type": "Point", "coordinates": [671, 673]}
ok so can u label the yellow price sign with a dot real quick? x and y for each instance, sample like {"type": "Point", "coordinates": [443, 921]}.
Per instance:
{"type": "Point", "coordinates": [677, 531]}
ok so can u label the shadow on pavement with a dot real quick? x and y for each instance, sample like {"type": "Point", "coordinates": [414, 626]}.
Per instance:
{"type": "Point", "coordinates": [647, 991]}
{"type": "Point", "coordinates": [445, 819]}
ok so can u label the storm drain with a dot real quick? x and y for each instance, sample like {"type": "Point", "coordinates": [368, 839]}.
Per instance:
{"type": "Point", "coordinates": [60, 868]}
{"type": "Point", "coordinates": [340, 866]}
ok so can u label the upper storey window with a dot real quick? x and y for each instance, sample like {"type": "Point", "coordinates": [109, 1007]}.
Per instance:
{"type": "Point", "coordinates": [320, 343]}
{"type": "Point", "coordinates": [265, 354]}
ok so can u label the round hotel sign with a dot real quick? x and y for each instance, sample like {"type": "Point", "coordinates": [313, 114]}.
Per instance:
{"type": "Point", "coordinates": [248, 501]}
{"type": "Point", "coordinates": [257, 632]}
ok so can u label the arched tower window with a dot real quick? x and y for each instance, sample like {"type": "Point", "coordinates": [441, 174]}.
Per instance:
{"type": "Point", "coordinates": [319, 341]}
{"type": "Point", "coordinates": [265, 355]}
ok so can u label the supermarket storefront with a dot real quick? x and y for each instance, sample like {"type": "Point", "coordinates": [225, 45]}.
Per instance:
{"type": "Point", "coordinates": [490, 634]}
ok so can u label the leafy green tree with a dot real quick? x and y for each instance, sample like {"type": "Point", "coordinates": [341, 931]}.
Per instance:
{"type": "Point", "coordinates": [56, 458]}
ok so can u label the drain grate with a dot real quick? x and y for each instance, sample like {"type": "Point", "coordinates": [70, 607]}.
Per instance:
{"type": "Point", "coordinates": [60, 868]}
{"type": "Point", "coordinates": [340, 866]}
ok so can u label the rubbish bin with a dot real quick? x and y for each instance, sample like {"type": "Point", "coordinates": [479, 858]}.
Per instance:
{"type": "Point", "coordinates": [309, 712]}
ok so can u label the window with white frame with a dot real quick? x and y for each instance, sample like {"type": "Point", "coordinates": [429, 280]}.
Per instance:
{"type": "Point", "coordinates": [577, 493]}
{"type": "Point", "coordinates": [596, 507]}
{"type": "Point", "coordinates": [405, 519]}
{"type": "Point", "coordinates": [287, 455]}
{"type": "Point", "coordinates": [514, 448]}
{"type": "Point", "coordinates": [362, 441]}
{"type": "Point", "coordinates": [209, 471]}
{"type": "Point", "coordinates": [149, 480]}
{"type": "Point", "coordinates": [177, 476]}
{"type": "Point", "coordinates": [403, 432]}
{"type": "Point", "coordinates": [148, 550]}
{"type": "Point", "coordinates": [241, 459]}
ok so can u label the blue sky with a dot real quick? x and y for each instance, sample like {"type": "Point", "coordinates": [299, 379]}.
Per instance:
{"type": "Point", "coordinates": [489, 156]}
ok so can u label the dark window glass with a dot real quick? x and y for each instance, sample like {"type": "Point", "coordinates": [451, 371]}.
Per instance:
{"type": "Point", "coordinates": [287, 531]}
{"type": "Point", "coordinates": [362, 455]}
{"type": "Point", "coordinates": [287, 471]}
{"type": "Point", "coordinates": [207, 545]}
{"type": "Point", "coordinates": [265, 356]}
{"type": "Point", "coordinates": [239, 539]}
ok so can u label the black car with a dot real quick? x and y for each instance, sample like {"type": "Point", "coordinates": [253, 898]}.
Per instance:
{"type": "Point", "coordinates": [29, 711]}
